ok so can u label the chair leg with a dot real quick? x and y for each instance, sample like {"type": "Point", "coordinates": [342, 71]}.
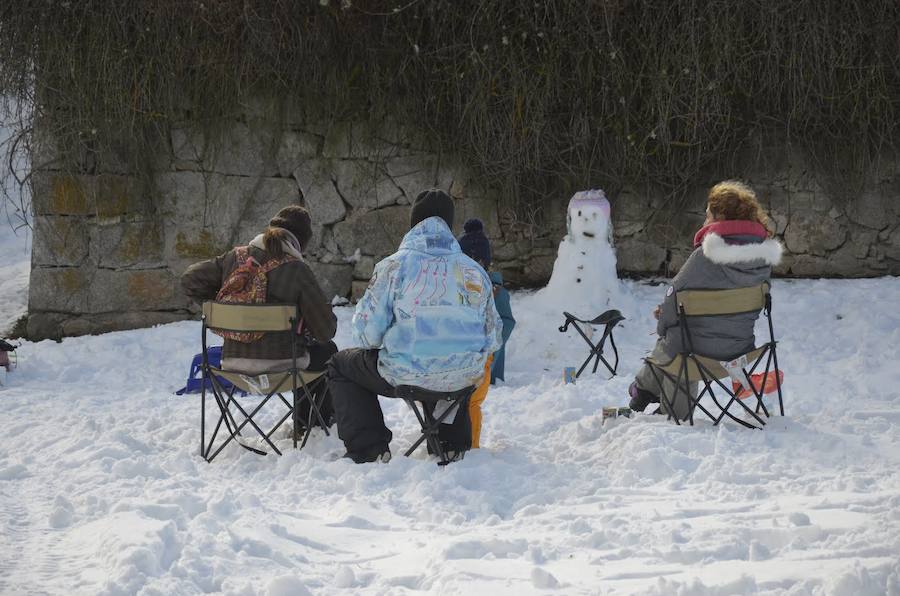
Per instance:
{"type": "Point", "coordinates": [422, 423]}
{"type": "Point", "coordinates": [233, 436]}
{"type": "Point", "coordinates": [212, 439]}
{"type": "Point", "coordinates": [224, 415]}
{"type": "Point", "coordinates": [219, 391]}
{"type": "Point", "coordinates": [203, 418]}
{"type": "Point", "coordinates": [687, 389]}
{"type": "Point", "coordinates": [598, 350]}
{"type": "Point", "coordinates": [662, 394]}
{"type": "Point", "coordinates": [590, 355]}
{"type": "Point", "coordinates": [584, 365]}
{"type": "Point", "coordinates": [611, 369]}
{"type": "Point", "coordinates": [758, 393]}
{"type": "Point", "coordinates": [777, 379]}
{"type": "Point", "coordinates": [612, 342]}
{"type": "Point", "coordinates": [747, 374]}
{"type": "Point", "coordinates": [430, 426]}
{"type": "Point", "coordinates": [314, 409]}
{"type": "Point", "coordinates": [289, 414]}
{"type": "Point", "coordinates": [224, 400]}
{"type": "Point", "coordinates": [676, 382]}
{"type": "Point", "coordinates": [295, 416]}
{"type": "Point", "coordinates": [434, 440]}
{"type": "Point", "coordinates": [709, 379]}
{"type": "Point", "coordinates": [248, 419]}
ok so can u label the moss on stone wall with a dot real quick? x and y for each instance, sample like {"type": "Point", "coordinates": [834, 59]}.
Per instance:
{"type": "Point", "coordinates": [69, 196]}
{"type": "Point", "coordinates": [204, 247]}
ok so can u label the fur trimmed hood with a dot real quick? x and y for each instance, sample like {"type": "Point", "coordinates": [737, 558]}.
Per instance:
{"type": "Point", "coordinates": [718, 251]}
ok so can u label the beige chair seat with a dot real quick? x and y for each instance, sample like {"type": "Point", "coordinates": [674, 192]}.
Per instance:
{"type": "Point", "coordinates": [713, 367]}
{"type": "Point", "coordinates": [279, 382]}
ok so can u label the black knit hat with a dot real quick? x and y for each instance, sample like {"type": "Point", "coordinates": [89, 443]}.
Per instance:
{"type": "Point", "coordinates": [295, 219]}
{"type": "Point", "coordinates": [430, 203]}
{"type": "Point", "coordinates": [474, 243]}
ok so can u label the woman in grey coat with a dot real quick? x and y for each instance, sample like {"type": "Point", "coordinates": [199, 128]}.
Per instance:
{"type": "Point", "coordinates": [733, 249]}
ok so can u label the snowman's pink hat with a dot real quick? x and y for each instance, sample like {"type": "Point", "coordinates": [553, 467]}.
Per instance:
{"type": "Point", "coordinates": [590, 198]}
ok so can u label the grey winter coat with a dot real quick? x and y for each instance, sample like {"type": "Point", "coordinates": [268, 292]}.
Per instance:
{"type": "Point", "coordinates": [720, 263]}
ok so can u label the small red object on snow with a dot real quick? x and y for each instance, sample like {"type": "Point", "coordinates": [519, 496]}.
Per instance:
{"type": "Point", "coordinates": [768, 384]}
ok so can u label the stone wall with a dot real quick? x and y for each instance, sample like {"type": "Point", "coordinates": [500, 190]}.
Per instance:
{"type": "Point", "coordinates": [109, 246]}
{"type": "Point", "coordinates": [829, 227]}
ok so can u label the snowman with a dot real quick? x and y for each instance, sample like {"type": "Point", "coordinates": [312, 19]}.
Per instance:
{"type": "Point", "coordinates": [584, 279]}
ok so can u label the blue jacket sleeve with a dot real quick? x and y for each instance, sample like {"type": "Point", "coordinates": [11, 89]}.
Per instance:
{"type": "Point", "coordinates": [374, 312]}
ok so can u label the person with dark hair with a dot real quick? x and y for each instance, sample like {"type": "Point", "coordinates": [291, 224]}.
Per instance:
{"type": "Point", "coordinates": [475, 244]}
{"type": "Point", "coordinates": [733, 249]}
{"type": "Point", "coordinates": [290, 281]}
{"type": "Point", "coordinates": [427, 319]}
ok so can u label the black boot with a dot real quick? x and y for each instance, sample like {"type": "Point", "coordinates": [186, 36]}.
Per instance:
{"type": "Point", "coordinates": [375, 454]}
{"type": "Point", "coordinates": [640, 398]}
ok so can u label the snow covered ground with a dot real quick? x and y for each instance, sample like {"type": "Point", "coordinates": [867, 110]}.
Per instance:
{"type": "Point", "coordinates": [102, 490]}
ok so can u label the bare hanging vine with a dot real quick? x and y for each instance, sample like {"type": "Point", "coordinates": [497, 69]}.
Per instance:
{"type": "Point", "coordinates": [536, 97]}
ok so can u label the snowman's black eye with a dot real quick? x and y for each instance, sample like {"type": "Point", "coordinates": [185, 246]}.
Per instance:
{"type": "Point", "coordinates": [579, 213]}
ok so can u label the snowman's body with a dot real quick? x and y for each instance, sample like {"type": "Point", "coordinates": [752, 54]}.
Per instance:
{"type": "Point", "coordinates": [584, 279]}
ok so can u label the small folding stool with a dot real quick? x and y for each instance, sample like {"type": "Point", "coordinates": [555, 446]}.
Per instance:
{"type": "Point", "coordinates": [609, 320]}
{"type": "Point", "coordinates": [451, 401]}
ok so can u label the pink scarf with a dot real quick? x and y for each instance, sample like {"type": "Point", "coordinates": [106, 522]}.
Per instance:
{"type": "Point", "coordinates": [731, 227]}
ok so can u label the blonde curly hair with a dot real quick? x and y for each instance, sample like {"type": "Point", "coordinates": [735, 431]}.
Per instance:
{"type": "Point", "coordinates": [732, 199]}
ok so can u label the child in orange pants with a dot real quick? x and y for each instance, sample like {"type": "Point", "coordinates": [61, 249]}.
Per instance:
{"type": "Point", "coordinates": [476, 400]}
{"type": "Point", "coordinates": [475, 244]}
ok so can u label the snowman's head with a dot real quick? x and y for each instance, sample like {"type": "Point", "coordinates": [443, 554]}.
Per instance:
{"type": "Point", "coordinates": [588, 216]}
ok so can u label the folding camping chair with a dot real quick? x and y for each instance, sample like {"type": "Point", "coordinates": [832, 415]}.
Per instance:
{"type": "Point", "coordinates": [452, 401]}
{"type": "Point", "coordinates": [609, 320]}
{"type": "Point", "coordinates": [688, 367]}
{"type": "Point", "coordinates": [302, 384]}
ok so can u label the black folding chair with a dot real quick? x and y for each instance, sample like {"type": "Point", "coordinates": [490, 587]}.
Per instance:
{"type": "Point", "coordinates": [609, 320]}
{"type": "Point", "coordinates": [303, 385]}
{"type": "Point", "coordinates": [455, 402]}
{"type": "Point", "coordinates": [676, 377]}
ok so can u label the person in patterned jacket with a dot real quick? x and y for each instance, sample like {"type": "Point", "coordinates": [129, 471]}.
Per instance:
{"type": "Point", "coordinates": [427, 319]}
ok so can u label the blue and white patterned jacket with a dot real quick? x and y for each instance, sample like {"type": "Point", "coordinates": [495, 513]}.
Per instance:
{"type": "Point", "coordinates": [430, 310]}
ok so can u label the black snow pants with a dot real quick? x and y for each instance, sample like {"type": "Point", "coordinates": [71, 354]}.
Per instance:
{"type": "Point", "coordinates": [355, 384]}
{"type": "Point", "coordinates": [319, 354]}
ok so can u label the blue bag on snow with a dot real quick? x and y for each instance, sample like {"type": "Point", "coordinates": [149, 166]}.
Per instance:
{"type": "Point", "coordinates": [195, 377]}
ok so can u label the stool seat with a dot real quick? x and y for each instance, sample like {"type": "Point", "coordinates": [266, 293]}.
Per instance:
{"type": "Point", "coordinates": [610, 317]}
{"type": "Point", "coordinates": [429, 421]}
{"type": "Point", "coordinates": [428, 396]}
